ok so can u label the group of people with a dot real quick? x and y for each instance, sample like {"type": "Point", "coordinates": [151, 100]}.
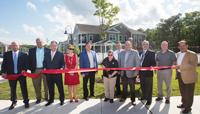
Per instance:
{"type": "Point", "coordinates": [41, 58]}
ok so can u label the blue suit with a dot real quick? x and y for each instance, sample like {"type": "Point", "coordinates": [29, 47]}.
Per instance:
{"type": "Point", "coordinates": [85, 63]}
{"type": "Point", "coordinates": [56, 63]}
{"type": "Point", "coordinates": [22, 65]}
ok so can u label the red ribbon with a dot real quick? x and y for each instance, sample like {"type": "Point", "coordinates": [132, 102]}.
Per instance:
{"type": "Point", "coordinates": [58, 71]}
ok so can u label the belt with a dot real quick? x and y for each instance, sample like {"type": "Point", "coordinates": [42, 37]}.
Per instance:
{"type": "Point", "coordinates": [164, 68]}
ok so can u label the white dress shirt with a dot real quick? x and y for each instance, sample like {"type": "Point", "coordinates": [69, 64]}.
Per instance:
{"type": "Point", "coordinates": [116, 54]}
{"type": "Point", "coordinates": [13, 53]}
{"type": "Point", "coordinates": [180, 58]}
{"type": "Point", "coordinates": [91, 59]}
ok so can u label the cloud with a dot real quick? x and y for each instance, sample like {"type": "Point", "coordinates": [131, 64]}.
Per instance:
{"type": "Point", "coordinates": [192, 2]}
{"type": "Point", "coordinates": [33, 31]}
{"type": "Point", "coordinates": [31, 6]}
{"type": "Point", "coordinates": [40, 28]}
{"type": "Point", "coordinates": [9, 40]}
{"type": "Point", "coordinates": [3, 31]}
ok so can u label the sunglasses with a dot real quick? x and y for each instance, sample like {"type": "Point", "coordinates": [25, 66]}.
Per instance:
{"type": "Point", "coordinates": [110, 55]}
{"type": "Point", "coordinates": [70, 48]}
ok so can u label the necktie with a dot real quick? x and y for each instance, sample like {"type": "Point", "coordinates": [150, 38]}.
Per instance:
{"type": "Point", "coordinates": [142, 57]}
{"type": "Point", "coordinates": [15, 64]}
{"type": "Point", "coordinates": [52, 55]}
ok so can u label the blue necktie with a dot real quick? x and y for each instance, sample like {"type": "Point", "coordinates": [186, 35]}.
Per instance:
{"type": "Point", "coordinates": [15, 64]}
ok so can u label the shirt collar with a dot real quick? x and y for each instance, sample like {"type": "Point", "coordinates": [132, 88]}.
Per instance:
{"type": "Point", "coordinates": [15, 52]}
{"type": "Point", "coordinates": [39, 48]}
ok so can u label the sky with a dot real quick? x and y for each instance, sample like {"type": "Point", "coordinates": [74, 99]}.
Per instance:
{"type": "Point", "coordinates": [25, 20]}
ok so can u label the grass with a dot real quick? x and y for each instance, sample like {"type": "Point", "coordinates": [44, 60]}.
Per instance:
{"type": "Point", "coordinates": [98, 89]}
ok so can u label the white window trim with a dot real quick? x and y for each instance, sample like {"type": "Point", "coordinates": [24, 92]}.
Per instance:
{"type": "Point", "coordinates": [112, 37]}
{"type": "Point", "coordinates": [89, 37]}
{"type": "Point", "coordinates": [121, 37]}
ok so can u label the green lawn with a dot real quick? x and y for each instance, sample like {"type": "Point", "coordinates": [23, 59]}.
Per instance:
{"type": "Point", "coordinates": [99, 89]}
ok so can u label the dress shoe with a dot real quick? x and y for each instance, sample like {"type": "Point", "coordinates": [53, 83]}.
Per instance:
{"type": "Point", "coordinates": [111, 100]}
{"type": "Point", "coordinates": [93, 95]}
{"type": "Point", "coordinates": [167, 101]}
{"type": "Point", "coordinates": [38, 101]}
{"type": "Point", "coordinates": [47, 99]}
{"type": "Point", "coordinates": [12, 105]}
{"type": "Point", "coordinates": [27, 105]}
{"type": "Point", "coordinates": [133, 103]}
{"type": "Point", "coordinates": [61, 103]}
{"type": "Point", "coordinates": [186, 111]}
{"type": "Point", "coordinates": [48, 103]}
{"type": "Point", "coordinates": [86, 99]}
{"type": "Point", "coordinates": [122, 100]}
{"type": "Point", "coordinates": [180, 106]}
{"type": "Point", "coordinates": [142, 98]}
{"type": "Point", "coordinates": [106, 99]}
{"type": "Point", "coordinates": [71, 100]}
{"type": "Point", "coordinates": [148, 103]}
{"type": "Point", "coordinates": [76, 100]}
{"type": "Point", "coordinates": [159, 98]}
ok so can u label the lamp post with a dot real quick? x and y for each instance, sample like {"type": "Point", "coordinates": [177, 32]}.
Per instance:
{"type": "Point", "coordinates": [67, 33]}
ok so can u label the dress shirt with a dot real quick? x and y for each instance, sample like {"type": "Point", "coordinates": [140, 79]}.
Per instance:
{"type": "Point", "coordinates": [13, 53]}
{"type": "Point", "coordinates": [39, 57]}
{"type": "Point", "coordinates": [180, 58]}
{"type": "Point", "coordinates": [91, 59]}
{"type": "Point", "coordinates": [116, 53]}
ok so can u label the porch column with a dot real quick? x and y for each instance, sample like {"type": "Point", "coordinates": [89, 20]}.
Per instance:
{"type": "Point", "coordinates": [101, 49]}
{"type": "Point", "coordinates": [112, 46]}
{"type": "Point", "coordinates": [105, 49]}
{"type": "Point", "coordinates": [81, 43]}
{"type": "Point", "coordinates": [94, 47]}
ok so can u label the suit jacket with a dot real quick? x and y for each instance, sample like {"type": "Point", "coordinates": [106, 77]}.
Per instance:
{"type": "Point", "coordinates": [84, 61]}
{"type": "Point", "coordinates": [132, 61]}
{"type": "Point", "coordinates": [188, 67]}
{"type": "Point", "coordinates": [149, 60]}
{"type": "Point", "coordinates": [8, 63]}
{"type": "Point", "coordinates": [56, 63]}
{"type": "Point", "coordinates": [32, 58]}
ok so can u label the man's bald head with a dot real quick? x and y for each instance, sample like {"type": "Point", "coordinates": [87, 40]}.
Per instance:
{"type": "Point", "coordinates": [14, 46]}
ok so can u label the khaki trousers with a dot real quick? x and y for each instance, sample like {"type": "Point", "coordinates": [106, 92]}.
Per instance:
{"type": "Point", "coordinates": [109, 86]}
{"type": "Point", "coordinates": [37, 84]}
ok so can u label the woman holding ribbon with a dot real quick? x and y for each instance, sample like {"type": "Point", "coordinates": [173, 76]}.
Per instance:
{"type": "Point", "coordinates": [71, 79]}
{"type": "Point", "coordinates": [109, 76]}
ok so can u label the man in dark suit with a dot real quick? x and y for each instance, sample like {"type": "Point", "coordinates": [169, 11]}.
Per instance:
{"type": "Point", "coordinates": [36, 58]}
{"type": "Point", "coordinates": [54, 60]}
{"type": "Point", "coordinates": [147, 59]}
{"type": "Point", "coordinates": [88, 59]}
{"type": "Point", "coordinates": [15, 62]}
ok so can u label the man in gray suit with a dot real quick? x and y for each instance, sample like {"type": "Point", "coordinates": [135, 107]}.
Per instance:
{"type": "Point", "coordinates": [128, 58]}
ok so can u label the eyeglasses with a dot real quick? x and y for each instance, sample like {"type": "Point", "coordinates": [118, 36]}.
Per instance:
{"type": "Point", "coordinates": [70, 48]}
{"type": "Point", "coordinates": [110, 55]}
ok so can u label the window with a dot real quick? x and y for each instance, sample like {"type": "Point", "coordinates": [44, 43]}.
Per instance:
{"type": "Point", "coordinates": [121, 26]}
{"type": "Point", "coordinates": [112, 37]}
{"type": "Point", "coordinates": [139, 38]}
{"type": "Point", "coordinates": [120, 38]}
{"type": "Point", "coordinates": [90, 37]}
{"type": "Point", "coordinates": [125, 38]}
{"type": "Point", "coordinates": [135, 40]}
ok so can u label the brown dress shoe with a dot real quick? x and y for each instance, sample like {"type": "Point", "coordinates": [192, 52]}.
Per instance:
{"type": "Point", "coordinates": [159, 98]}
{"type": "Point", "coordinates": [122, 100]}
{"type": "Point", "coordinates": [186, 111]}
{"type": "Point", "coordinates": [38, 101]}
{"type": "Point", "coordinates": [180, 106]}
{"type": "Point", "coordinates": [167, 101]}
{"type": "Point", "coordinates": [133, 103]}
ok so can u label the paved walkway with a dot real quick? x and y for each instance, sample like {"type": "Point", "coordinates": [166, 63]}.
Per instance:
{"type": "Point", "coordinates": [98, 106]}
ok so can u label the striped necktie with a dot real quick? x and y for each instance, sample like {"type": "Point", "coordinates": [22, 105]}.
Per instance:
{"type": "Point", "coordinates": [52, 55]}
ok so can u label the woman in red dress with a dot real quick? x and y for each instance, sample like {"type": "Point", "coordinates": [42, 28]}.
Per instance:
{"type": "Point", "coordinates": [71, 79]}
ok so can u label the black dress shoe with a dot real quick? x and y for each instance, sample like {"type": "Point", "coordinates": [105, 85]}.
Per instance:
{"type": "Point", "coordinates": [48, 103]}
{"type": "Point", "coordinates": [61, 103]}
{"type": "Point", "coordinates": [27, 105]}
{"type": "Point", "coordinates": [38, 101]}
{"type": "Point", "coordinates": [12, 105]}
{"type": "Point", "coordinates": [111, 100]}
{"type": "Point", "coordinates": [86, 99]}
{"type": "Point", "coordinates": [93, 96]}
{"type": "Point", "coordinates": [180, 106]}
{"type": "Point", "coordinates": [106, 99]}
{"type": "Point", "coordinates": [148, 103]}
{"type": "Point", "coordinates": [167, 101]}
{"type": "Point", "coordinates": [186, 111]}
{"type": "Point", "coordinates": [142, 98]}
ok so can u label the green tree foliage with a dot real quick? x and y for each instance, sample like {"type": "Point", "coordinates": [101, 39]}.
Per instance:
{"type": "Point", "coordinates": [47, 45]}
{"type": "Point", "coordinates": [106, 13]}
{"type": "Point", "coordinates": [76, 49]}
{"type": "Point", "coordinates": [176, 28]}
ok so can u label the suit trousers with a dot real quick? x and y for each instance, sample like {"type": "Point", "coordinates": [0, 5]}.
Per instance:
{"type": "Point", "coordinates": [187, 92]}
{"type": "Point", "coordinates": [117, 85]}
{"type": "Point", "coordinates": [91, 75]}
{"type": "Point", "coordinates": [37, 84]}
{"type": "Point", "coordinates": [146, 84]}
{"type": "Point", "coordinates": [53, 79]}
{"type": "Point", "coordinates": [164, 76]}
{"type": "Point", "coordinates": [109, 86]}
{"type": "Point", "coordinates": [131, 82]}
{"type": "Point", "coordinates": [23, 85]}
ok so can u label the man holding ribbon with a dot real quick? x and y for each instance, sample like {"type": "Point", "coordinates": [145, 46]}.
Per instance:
{"type": "Point", "coordinates": [15, 62]}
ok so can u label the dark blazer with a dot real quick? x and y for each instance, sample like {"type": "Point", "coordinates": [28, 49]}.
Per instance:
{"type": "Point", "coordinates": [84, 61]}
{"type": "Point", "coordinates": [8, 64]}
{"type": "Point", "coordinates": [149, 60]}
{"type": "Point", "coordinates": [56, 63]}
{"type": "Point", "coordinates": [32, 58]}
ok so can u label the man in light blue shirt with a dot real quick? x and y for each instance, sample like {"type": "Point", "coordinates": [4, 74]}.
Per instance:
{"type": "Point", "coordinates": [36, 57]}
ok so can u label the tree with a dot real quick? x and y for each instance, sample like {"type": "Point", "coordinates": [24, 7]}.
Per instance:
{"type": "Point", "coordinates": [76, 49]}
{"type": "Point", "coordinates": [107, 15]}
{"type": "Point", "coordinates": [46, 45]}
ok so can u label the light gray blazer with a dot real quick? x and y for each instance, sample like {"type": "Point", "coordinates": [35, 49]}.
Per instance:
{"type": "Point", "coordinates": [132, 61]}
